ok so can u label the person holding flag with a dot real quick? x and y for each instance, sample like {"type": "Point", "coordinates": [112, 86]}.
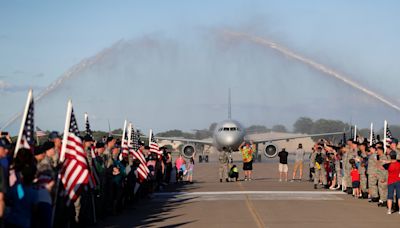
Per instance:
{"type": "Point", "coordinates": [74, 174]}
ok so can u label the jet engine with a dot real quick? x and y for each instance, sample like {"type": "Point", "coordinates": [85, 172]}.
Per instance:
{"type": "Point", "coordinates": [188, 150]}
{"type": "Point", "coordinates": [270, 150]}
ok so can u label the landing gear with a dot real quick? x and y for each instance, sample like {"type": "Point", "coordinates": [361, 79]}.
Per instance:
{"type": "Point", "coordinates": [203, 158]}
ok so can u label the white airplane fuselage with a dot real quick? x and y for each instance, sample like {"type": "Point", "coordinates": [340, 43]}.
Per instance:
{"type": "Point", "coordinates": [228, 135]}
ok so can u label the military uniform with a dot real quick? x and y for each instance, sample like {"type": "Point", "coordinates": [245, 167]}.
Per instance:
{"type": "Point", "coordinates": [363, 179]}
{"type": "Point", "coordinates": [223, 165]}
{"type": "Point", "coordinates": [350, 154]}
{"type": "Point", "coordinates": [382, 178]}
{"type": "Point", "coordinates": [372, 175]}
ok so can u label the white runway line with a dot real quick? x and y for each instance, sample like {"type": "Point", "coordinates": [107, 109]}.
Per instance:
{"type": "Point", "coordinates": [248, 193]}
{"type": "Point", "coordinates": [252, 195]}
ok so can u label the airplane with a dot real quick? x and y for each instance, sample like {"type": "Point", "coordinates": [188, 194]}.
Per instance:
{"type": "Point", "coordinates": [227, 137]}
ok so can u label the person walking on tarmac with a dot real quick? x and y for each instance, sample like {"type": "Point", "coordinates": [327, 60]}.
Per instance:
{"type": "Point", "coordinates": [247, 151]}
{"type": "Point", "coordinates": [320, 173]}
{"type": "Point", "coordinates": [223, 166]}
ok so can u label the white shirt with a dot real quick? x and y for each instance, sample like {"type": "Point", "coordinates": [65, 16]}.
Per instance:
{"type": "Point", "coordinates": [299, 154]}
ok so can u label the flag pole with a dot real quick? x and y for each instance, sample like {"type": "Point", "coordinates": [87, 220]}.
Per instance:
{"type": "Point", "coordinates": [370, 134]}
{"type": "Point", "coordinates": [150, 135]}
{"type": "Point", "coordinates": [129, 133]}
{"type": "Point", "coordinates": [21, 129]}
{"type": "Point", "coordinates": [384, 135]}
{"type": "Point", "coordinates": [62, 156]}
{"type": "Point", "coordinates": [66, 130]}
{"type": "Point", "coordinates": [355, 133]}
{"type": "Point", "coordinates": [123, 133]}
{"type": "Point", "coordinates": [86, 117]}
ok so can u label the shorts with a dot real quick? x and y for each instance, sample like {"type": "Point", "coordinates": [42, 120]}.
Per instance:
{"type": "Point", "coordinates": [392, 188]}
{"type": "Point", "coordinates": [355, 184]}
{"type": "Point", "coordinates": [283, 168]}
{"type": "Point", "coordinates": [248, 165]}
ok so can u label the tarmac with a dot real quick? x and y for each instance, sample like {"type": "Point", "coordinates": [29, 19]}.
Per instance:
{"type": "Point", "coordinates": [262, 202]}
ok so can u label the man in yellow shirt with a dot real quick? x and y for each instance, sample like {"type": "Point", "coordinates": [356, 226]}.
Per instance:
{"type": "Point", "coordinates": [247, 151]}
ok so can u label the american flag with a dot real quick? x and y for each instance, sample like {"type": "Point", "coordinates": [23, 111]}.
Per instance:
{"type": "Point", "coordinates": [142, 169]}
{"type": "Point", "coordinates": [154, 148]}
{"type": "Point", "coordinates": [39, 132]}
{"type": "Point", "coordinates": [373, 138]}
{"type": "Point", "coordinates": [27, 138]}
{"type": "Point", "coordinates": [74, 173]}
{"type": "Point", "coordinates": [87, 126]}
{"type": "Point", "coordinates": [124, 144]}
{"type": "Point", "coordinates": [389, 136]}
{"type": "Point", "coordinates": [94, 177]}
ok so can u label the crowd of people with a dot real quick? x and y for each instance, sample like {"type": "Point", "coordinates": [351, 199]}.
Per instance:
{"type": "Point", "coordinates": [31, 194]}
{"type": "Point", "coordinates": [363, 170]}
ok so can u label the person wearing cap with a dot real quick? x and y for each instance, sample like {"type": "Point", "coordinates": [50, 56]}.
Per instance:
{"type": "Point", "coordinates": [87, 145]}
{"type": "Point", "coordinates": [372, 172]}
{"type": "Point", "coordinates": [393, 168]}
{"type": "Point", "coordinates": [382, 176]}
{"type": "Point", "coordinates": [43, 155]}
{"type": "Point", "coordinates": [351, 152]}
{"type": "Point", "coordinates": [298, 164]}
{"type": "Point", "coordinates": [56, 139]}
{"type": "Point", "coordinates": [110, 144]}
{"type": "Point", "coordinates": [320, 171]}
{"type": "Point", "coordinates": [45, 177]}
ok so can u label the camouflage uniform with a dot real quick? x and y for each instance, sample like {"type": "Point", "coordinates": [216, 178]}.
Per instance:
{"type": "Point", "coordinates": [320, 172]}
{"type": "Point", "coordinates": [363, 179]}
{"type": "Point", "coordinates": [382, 179]}
{"type": "Point", "coordinates": [350, 154]}
{"type": "Point", "coordinates": [338, 171]}
{"type": "Point", "coordinates": [223, 165]}
{"type": "Point", "coordinates": [372, 175]}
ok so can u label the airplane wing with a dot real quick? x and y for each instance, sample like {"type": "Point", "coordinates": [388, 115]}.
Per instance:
{"type": "Point", "coordinates": [296, 137]}
{"type": "Point", "coordinates": [195, 141]}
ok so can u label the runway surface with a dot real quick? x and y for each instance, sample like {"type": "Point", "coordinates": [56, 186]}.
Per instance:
{"type": "Point", "coordinates": [262, 202]}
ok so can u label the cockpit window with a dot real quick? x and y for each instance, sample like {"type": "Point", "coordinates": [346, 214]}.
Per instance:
{"type": "Point", "coordinates": [226, 128]}
{"type": "Point", "coordinates": [220, 129]}
{"type": "Point", "coordinates": [233, 128]}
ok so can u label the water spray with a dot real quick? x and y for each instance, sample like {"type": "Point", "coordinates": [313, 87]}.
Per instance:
{"type": "Point", "coordinates": [313, 64]}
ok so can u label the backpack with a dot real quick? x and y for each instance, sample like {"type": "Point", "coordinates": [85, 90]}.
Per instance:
{"type": "Point", "coordinates": [319, 159]}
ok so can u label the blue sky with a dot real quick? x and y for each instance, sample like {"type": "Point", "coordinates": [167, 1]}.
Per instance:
{"type": "Point", "coordinates": [41, 41]}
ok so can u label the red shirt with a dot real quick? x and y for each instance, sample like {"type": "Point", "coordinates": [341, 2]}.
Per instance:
{"type": "Point", "coordinates": [393, 172]}
{"type": "Point", "coordinates": [355, 175]}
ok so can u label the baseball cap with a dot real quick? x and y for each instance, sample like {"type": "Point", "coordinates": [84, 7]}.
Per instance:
{"type": "Point", "coordinates": [54, 135]}
{"type": "Point", "coordinates": [88, 138]}
{"type": "Point", "coordinates": [39, 150]}
{"type": "Point", "coordinates": [99, 145]}
{"type": "Point", "coordinates": [47, 146]}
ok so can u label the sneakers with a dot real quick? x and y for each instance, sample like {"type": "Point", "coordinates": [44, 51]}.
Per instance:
{"type": "Point", "coordinates": [220, 180]}
{"type": "Point", "coordinates": [315, 186]}
{"type": "Point", "coordinates": [280, 180]}
{"type": "Point", "coordinates": [389, 212]}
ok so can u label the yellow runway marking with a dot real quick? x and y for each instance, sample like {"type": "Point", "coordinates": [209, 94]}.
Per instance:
{"type": "Point", "coordinates": [253, 210]}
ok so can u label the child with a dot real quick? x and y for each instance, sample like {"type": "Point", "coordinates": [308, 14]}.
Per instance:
{"type": "Point", "coordinates": [234, 173]}
{"type": "Point", "coordinates": [355, 180]}
{"type": "Point", "coordinates": [189, 176]}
